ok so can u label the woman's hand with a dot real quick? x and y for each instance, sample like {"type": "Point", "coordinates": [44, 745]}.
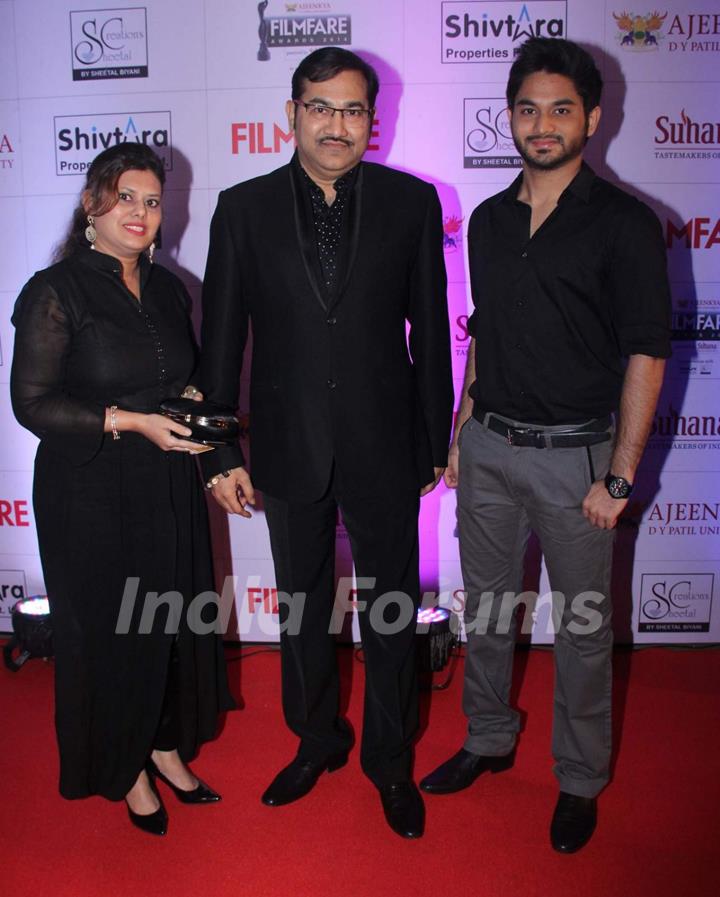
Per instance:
{"type": "Point", "coordinates": [164, 432]}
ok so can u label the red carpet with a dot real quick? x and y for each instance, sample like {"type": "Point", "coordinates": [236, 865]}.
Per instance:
{"type": "Point", "coordinates": [658, 821]}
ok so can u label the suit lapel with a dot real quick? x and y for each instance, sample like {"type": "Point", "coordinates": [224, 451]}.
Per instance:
{"type": "Point", "coordinates": [306, 235]}
{"type": "Point", "coordinates": [349, 247]}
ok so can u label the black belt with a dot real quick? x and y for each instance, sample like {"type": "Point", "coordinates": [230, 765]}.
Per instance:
{"type": "Point", "coordinates": [536, 437]}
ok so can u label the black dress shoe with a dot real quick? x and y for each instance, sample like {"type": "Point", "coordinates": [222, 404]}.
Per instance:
{"type": "Point", "coordinates": [153, 823]}
{"type": "Point", "coordinates": [299, 778]}
{"type": "Point", "coordinates": [461, 770]}
{"type": "Point", "coordinates": [573, 822]}
{"type": "Point", "coordinates": [404, 809]}
{"type": "Point", "coordinates": [202, 794]}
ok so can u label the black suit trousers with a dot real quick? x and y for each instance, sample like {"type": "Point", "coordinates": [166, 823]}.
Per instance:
{"type": "Point", "coordinates": [384, 540]}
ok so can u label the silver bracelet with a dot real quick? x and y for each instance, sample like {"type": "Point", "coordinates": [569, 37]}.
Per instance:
{"type": "Point", "coordinates": [113, 422]}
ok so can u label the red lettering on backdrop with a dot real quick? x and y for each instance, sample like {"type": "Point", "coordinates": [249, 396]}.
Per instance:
{"type": "Point", "coordinates": [14, 513]}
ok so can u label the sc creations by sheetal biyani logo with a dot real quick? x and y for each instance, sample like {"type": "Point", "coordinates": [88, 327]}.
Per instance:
{"type": "Point", "coordinates": [305, 24]}
{"type": "Point", "coordinates": [79, 138]}
{"type": "Point", "coordinates": [109, 43]}
{"type": "Point", "coordinates": [675, 602]}
{"type": "Point", "coordinates": [488, 141]}
{"type": "Point", "coordinates": [493, 30]}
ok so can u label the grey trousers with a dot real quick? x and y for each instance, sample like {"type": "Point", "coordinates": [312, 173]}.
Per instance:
{"type": "Point", "coordinates": [505, 491]}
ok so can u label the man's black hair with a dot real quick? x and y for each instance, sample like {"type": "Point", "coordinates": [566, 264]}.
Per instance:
{"type": "Point", "coordinates": [557, 57]}
{"type": "Point", "coordinates": [326, 63]}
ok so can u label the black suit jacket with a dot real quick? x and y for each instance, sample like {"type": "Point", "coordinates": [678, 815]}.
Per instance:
{"type": "Point", "coordinates": [331, 378]}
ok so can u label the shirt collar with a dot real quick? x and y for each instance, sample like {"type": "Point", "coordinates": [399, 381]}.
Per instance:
{"type": "Point", "coordinates": [342, 185]}
{"type": "Point", "coordinates": [580, 186]}
{"type": "Point", "coordinates": [103, 262]}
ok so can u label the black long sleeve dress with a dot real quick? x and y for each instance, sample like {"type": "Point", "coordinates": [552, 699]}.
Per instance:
{"type": "Point", "coordinates": [117, 520]}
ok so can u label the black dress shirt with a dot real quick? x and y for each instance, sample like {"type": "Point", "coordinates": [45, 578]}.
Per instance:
{"type": "Point", "coordinates": [556, 313]}
{"type": "Point", "coordinates": [328, 222]}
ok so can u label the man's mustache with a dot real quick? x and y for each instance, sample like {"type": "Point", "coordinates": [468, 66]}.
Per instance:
{"type": "Point", "coordinates": [336, 140]}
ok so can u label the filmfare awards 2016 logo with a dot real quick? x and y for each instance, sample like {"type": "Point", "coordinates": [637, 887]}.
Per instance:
{"type": "Point", "coordinates": [488, 141]}
{"type": "Point", "coordinates": [696, 337]}
{"type": "Point", "coordinates": [493, 30]}
{"type": "Point", "coordinates": [79, 138]}
{"type": "Point", "coordinates": [683, 137]}
{"type": "Point", "coordinates": [675, 602]}
{"type": "Point", "coordinates": [684, 32]}
{"type": "Point", "coordinates": [303, 25]}
{"type": "Point", "coordinates": [109, 43]}
{"type": "Point", "coordinates": [7, 151]}
{"type": "Point", "coordinates": [272, 137]}
{"type": "Point", "coordinates": [13, 587]}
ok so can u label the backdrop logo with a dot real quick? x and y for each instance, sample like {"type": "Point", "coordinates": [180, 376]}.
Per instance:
{"type": "Point", "coordinates": [695, 324]}
{"type": "Point", "coordinates": [696, 233]}
{"type": "Point", "coordinates": [488, 140]}
{"type": "Point", "coordinates": [671, 429]}
{"type": "Point", "coordinates": [261, 138]}
{"type": "Point", "coordinates": [452, 233]}
{"type": "Point", "coordinates": [7, 151]}
{"type": "Point", "coordinates": [696, 334]}
{"type": "Point", "coordinates": [675, 602]}
{"type": "Point", "coordinates": [684, 138]}
{"type": "Point", "coordinates": [315, 26]}
{"type": "Point", "coordinates": [79, 138]}
{"type": "Point", "coordinates": [492, 30]}
{"type": "Point", "coordinates": [13, 587]}
{"type": "Point", "coordinates": [14, 513]}
{"type": "Point", "coordinates": [639, 32]}
{"type": "Point", "coordinates": [109, 43]}
{"type": "Point", "coordinates": [684, 518]}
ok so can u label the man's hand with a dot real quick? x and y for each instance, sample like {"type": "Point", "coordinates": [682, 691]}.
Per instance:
{"type": "Point", "coordinates": [430, 486]}
{"type": "Point", "coordinates": [600, 508]}
{"type": "Point", "coordinates": [452, 471]}
{"type": "Point", "coordinates": [234, 492]}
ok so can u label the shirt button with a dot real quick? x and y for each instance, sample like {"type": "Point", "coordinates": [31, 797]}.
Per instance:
{"type": "Point", "coordinates": [524, 255]}
{"type": "Point", "coordinates": [331, 321]}
{"type": "Point", "coordinates": [520, 303]}
{"type": "Point", "coordinates": [331, 384]}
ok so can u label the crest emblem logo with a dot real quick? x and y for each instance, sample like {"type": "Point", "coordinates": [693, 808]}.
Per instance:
{"type": "Point", "coordinates": [640, 32]}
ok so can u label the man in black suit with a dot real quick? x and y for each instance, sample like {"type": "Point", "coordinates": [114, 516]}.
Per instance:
{"type": "Point", "coordinates": [330, 257]}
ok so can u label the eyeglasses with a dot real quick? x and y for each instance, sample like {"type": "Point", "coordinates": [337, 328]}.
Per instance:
{"type": "Point", "coordinates": [352, 115]}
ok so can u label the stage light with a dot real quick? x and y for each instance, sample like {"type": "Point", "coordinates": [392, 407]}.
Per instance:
{"type": "Point", "coordinates": [32, 632]}
{"type": "Point", "coordinates": [435, 643]}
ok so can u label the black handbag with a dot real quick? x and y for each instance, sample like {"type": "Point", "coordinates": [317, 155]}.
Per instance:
{"type": "Point", "coordinates": [211, 423]}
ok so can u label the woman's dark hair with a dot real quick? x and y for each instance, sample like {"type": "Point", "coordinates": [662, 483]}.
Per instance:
{"type": "Point", "coordinates": [326, 63]}
{"type": "Point", "coordinates": [101, 188]}
{"type": "Point", "coordinates": [557, 57]}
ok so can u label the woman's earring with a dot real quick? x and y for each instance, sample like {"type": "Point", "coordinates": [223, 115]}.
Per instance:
{"type": "Point", "coordinates": [151, 252]}
{"type": "Point", "coordinates": [90, 232]}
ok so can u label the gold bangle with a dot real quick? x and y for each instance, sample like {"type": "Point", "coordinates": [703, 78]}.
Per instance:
{"type": "Point", "coordinates": [213, 481]}
{"type": "Point", "coordinates": [113, 422]}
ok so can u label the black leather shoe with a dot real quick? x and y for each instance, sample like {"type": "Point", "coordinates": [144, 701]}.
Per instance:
{"type": "Point", "coordinates": [299, 778]}
{"type": "Point", "coordinates": [153, 823]}
{"type": "Point", "coordinates": [404, 809]}
{"type": "Point", "coordinates": [202, 794]}
{"type": "Point", "coordinates": [573, 822]}
{"type": "Point", "coordinates": [461, 770]}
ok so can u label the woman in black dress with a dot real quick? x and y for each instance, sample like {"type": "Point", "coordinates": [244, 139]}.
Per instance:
{"type": "Point", "coordinates": [101, 338]}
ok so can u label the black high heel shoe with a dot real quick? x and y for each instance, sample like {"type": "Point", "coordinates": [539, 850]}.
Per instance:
{"type": "Point", "coordinates": [153, 823]}
{"type": "Point", "coordinates": [202, 794]}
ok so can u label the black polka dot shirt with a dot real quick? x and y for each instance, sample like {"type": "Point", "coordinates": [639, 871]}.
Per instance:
{"type": "Point", "coordinates": [328, 221]}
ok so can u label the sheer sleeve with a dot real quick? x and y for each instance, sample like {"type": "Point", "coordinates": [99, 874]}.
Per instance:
{"type": "Point", "coordinates": [43, 339]}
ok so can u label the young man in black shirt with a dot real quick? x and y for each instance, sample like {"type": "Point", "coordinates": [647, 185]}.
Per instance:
{"type": "Point", "coordinates": [568, 278]}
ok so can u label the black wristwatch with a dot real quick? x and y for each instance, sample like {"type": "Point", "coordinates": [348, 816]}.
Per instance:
{"type": "Point", "coordinates": [618, 487]}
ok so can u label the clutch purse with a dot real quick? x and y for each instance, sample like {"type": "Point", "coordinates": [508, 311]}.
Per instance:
{"type": "Point", "coordinates": [211, 423]}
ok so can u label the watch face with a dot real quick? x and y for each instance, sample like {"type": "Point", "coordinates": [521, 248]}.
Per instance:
{"type": "Point", "coordinates": [618, 487]}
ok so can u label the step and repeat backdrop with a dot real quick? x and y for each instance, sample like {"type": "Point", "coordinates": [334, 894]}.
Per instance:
{"type": "Point", "coordinates": [204, 83]}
